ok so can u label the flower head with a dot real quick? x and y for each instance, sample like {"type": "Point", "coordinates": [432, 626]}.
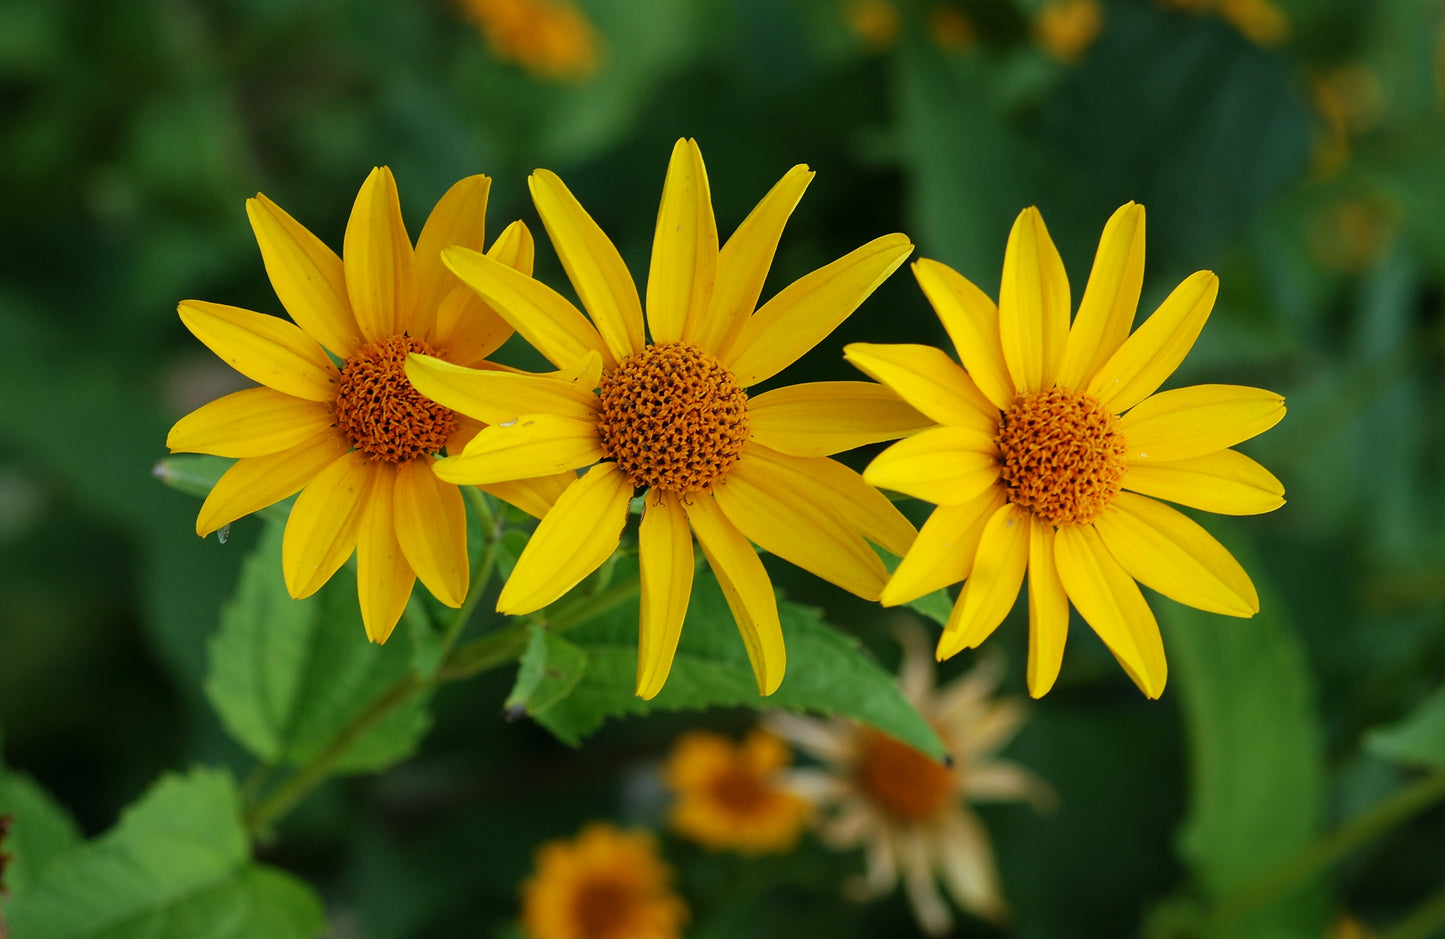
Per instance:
{"type": "Point", "coordinates": [605, 884]}
{"type": "Point", "coordinates": [552, 39]}
{"type": "Point", "coordinates": [1052, 441]}
{"type": "Point", "coordinates": [1065, 29]}
{"type": "Point", "coordinates": [730, 796]}
{"type": "Point", "coordinates": [672, 416]}
{"type": "Point", "coordinates": [356, 439]}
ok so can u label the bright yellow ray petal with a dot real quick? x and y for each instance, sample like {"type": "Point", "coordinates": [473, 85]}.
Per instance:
{"type": "Point", "coordinates": [1147, 358]}
{"type": "Point", "coordinates": [601, 279]}
{"type": "Point", "coordinates": [993, 584]}
{"type": "Point", "coordinates": [251, 422]}
{"type": "Point", "coordinates": [743, 265]}
{"type": "Point", "coordinates": [810, 308]}
{"type": "Point", "coordinates": [325, 522]}
{"type": "Point", "coordinates": [467, 328]}
{"type": "Point", "coordinates": [1033, 304]}
{"type": "Point", "coordinates": [1191, 422]}
{"type": "Point", "coordinates": [581, 531]}
{"type": "Point", "coordinates": [533, 496]}
{"type": "Point", "coordinates": [529, 446]}
{"type": "Point", "coordinates": [971, 320]}
{"type": "Point", "coordinates": [554, 327]}
{"type": "Point", "coordinates": [1227, 482]}
{"type": "Point", "coordinates": [253, 483]}
{"type": "Point", "coordinates": [1167, 551]}
{"type": "Point", "coordinates": [383, 577]}
{"type": "Point", "coordinates": [459, 218]}
{"type": "Point", "coordinates": [827, 417]}
{"type": "Point", "coordinates": [431, 527]}
{"type": "Point", "coordinates": [942, 465]}
{"type": "Point", "coordinates": [684, 247]}
{"type": "Point", "coordinates": [944, 550]}
{"type": "Point", "coordinates": [929, 380]}
{"type": "Point", "coordinates": [746, 586]}
{"type": "Point", "coordinates": [1110, 299]}
{"type": "Point", "coordinates": [1105, 595]}
{"type": "Point", "coordinates": [307, 276]}
{"type": "Point", "coordinates": [378, 260]}
{"type": "Point", "coordinates": [497, 397]}
{"type": "Point", "coordinates": [265, 349]}
{"type": "Point", "coordinates": [664, 556]}
{"type": "Point", "coordinates": [1048, 611]}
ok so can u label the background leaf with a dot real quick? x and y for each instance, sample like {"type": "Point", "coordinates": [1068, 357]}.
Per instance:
{"type": "Point", "coordinates": [1417, 740]}
{"type": "Point", "coordinates": [41, 830]}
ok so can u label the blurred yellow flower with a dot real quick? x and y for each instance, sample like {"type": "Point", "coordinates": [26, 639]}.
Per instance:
{"type": "Point", "coordinates": [1052, 438]}
{"type": "Point", "coordinates": [1066, 28]}
{"type": "Point", "coordinates": [730, 796]}
{"type": "Point", "coordinates": [909, 813]}
{"type": "Point", "coordinates": [877, 22]}
{"type": "Point", "coordinates": [553, 39]}
{"type": "Point", "coordinates": [358, 441]}
{"type": "Point", "coordinates": [604, 884]}
{"type": "Point", "coordinates": [1349, 101]}
{"type": "Point", "coordinates": [671, 417]}
{"type": "Point", "coordinates": [1347, 927]}
{"type": "Point", "coordinates": [1260, 21]}
{"type": "Point", "coordinates": [949, 27]}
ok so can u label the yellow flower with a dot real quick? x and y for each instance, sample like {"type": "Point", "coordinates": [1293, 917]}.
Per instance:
{"type": "Point", "coordinates": [876, 22]}
{"type": "Point", "coordinates": [1066, 28]}
{"type": "Point", "coordinates": [605, 884]}
{"type": "Point", "coordinates": [731, 796]}
{"type": "Point", "coordinates": [1051, 444]}
{"type": "Point", "coordinates": [358, 441]}
{"type": "Point", "coordinates": [550, 38]}
{"type": "Point", "coordinates": [908, 812]}
{"type": "Point", "coordinates": [950, 28]}
{"type": "Point", "coordinates": [671, 416]}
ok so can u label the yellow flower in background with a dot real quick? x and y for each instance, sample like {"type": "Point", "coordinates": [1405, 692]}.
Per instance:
{"type": "Point", "coordinates": [950, 28]}
{"type": "Point", "coordinates": [553, 39]}
{"type": "Point", "coordinates": [1259, 21]}
{"type": "Point", "coordinates": [909, 813]}
{"type": "Point", "coordinates": [604, 884]}
{"type": "Point", "coordinates": [876, 22]}
{"type": "Point", "coordinates": [671, 417]}
{"type": "Point", "coordinates": [1053, 441]}
{"type": "Point", "coordinates": [730, 796]}
{"type": "Point", "coordinates": [1065, 29]}
{"type": "Point", "coordinates": [357, 440]}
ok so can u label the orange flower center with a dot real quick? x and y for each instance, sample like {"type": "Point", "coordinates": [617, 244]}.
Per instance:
{"type": "Point", "coordinates": [903, 783]}
{"type": "Point", "coordinates": [381, 413]}
{"type": "Point", "coordinates": [738, 790]}
{"type": "Point", "coordinates": [672, 417]}
{"type": "Point", "coordinates": [1062, 455]}
{"type": "Point", "coordinates": [601, 909]}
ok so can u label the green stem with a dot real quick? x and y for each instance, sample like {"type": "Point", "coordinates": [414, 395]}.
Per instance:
{"type": "Point", "coordinates": [1424, 921]}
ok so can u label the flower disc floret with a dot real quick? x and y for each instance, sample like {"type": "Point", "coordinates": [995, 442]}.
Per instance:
{"type": "Point", "coordinates": [1061, 455]}
{"type": "Point", "coordinates": [902, 783]}
{"type": "Point", "coordinates": [381, 413]}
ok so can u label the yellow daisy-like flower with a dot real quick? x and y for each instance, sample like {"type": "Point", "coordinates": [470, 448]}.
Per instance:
{"type": "Point", "coordinates": [730, 796]}
{"type": "Point", "coordinates": [909, 813]}
{"type": "Point", "coordinates": [357, 440]}
{"type": "Point", "coordinates": [605, 884]}
{"type": "Point", "coordinates": [1052, 442]}
{"type": "Point", "coordinates": [672, 417]}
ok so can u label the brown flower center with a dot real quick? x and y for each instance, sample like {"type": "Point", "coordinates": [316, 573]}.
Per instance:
{"type": "Point", "coordinates": [602, 908]}
{"type": "Point", "coordinates": [901, 782]}
{"type": "Point", "coordinates": [1062, 455]}
{"type": "Point", "coordinates": [672, 417]}
{"type": "Point", "coordinates": [739, 790]}
{"type": "Point", "coordinates": [381, 413]}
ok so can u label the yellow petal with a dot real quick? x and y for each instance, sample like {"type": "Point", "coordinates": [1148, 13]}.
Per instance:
{"type": "Point", "coordinates": [971, 320]}
{"type": "Point", "coordinates": [581, 531]}
{"type": "Point", "coordinates": [1169, 552]}
{"type": "Point", "coordinates": [1198, 420]}
{"type": "Point", "coordinates": [253, 483]}
{"type": "Point", "coordinates": [684, 248]}
{"type": "Point", "coordinates": [943, 465]}
{"type": "Point", "coordinates": [533, 496]}
{"type": "Point", "coordinates": [664, 556]}
{"type": "Point", "coordinates": [827, 417]}
{"type": "Point", "coordinates": [431, 526]}
{"type": "Point", "coordinates": [383, 577]}
{"type": "Point", "coordinates": [378, 260]}
{"type": "Point", "coordinates": [806, 531]}
{"type": "Point", "coordinates": [529, 446]}
{"type": "Point", "coordinates": [325, 522]}
{"type": "Point", "coordinates": [252, 422]}
{"type": "Point", "coordinates": [993, 584]}
{"type": "Point", "coordinates": [265, 349]}
{"type": "Point", "coordinates": [1227, 482]}
{"type": "Point", "coordinates": [944, 551]}
{"type": "Point", "coordinates": [459, 218]}
{"type": "Point", "coordinates": [743, 264]}
{"type": "Point", "coordinates": [929, 380]}
{"type": "Point", "coordinates": [554, 327]}
{"type": "Point", "coordinates": [1033, 304]}
{"type": "Point", "coordinates": [746, 586]}
{"type": "Point", "coordinates": [468, 329]}
{"type": "Point", "coordinates": [1105, 595]}
{"type": "Point", "coordinates": [1048, 611]}
{"type": "Point", "coordinates": [307, 276]}
{"type": "Point", "coordinates": [1110, 299]}
{"type": "Point", "coordinates": [810, 308]}
{"type": "Point", "coordinates": [1147, 358]}
{"type": "Point", "coordinates": [601, 279]}
{"type": "Point", "coordinates": [497, 397]}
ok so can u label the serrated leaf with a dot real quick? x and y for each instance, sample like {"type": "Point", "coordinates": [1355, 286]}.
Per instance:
{"type": "Point", "coordinates": [287, 675]}
{"type": "Point", "coordinates": [1418, 740]}
{"type": "Point", "coordinates": [41, 829]}
{"type": "Point", "coordinates": [547, 672]}
{"type": "Point", "coordinates": [177, 866]}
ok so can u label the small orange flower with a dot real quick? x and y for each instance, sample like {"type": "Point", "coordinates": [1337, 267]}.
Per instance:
{"type": "Point", "coordinates": [553, 39]}
{"type": "Point", "coordinates": [731, 797]}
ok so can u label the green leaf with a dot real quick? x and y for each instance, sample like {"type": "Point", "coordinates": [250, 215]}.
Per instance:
{"type": "Point", "coordinates": [1418, 740]}
{"type": "Point", "coordinates": [288, 675]}
{"type": "Point", "coordinates": [192, 473]}
{"type": "Point", "coordinates": [41, 831]}
{"type": "Point", "coordinates": [549, 670]}
{"type": "Point", "coordinates": [177, 866]}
